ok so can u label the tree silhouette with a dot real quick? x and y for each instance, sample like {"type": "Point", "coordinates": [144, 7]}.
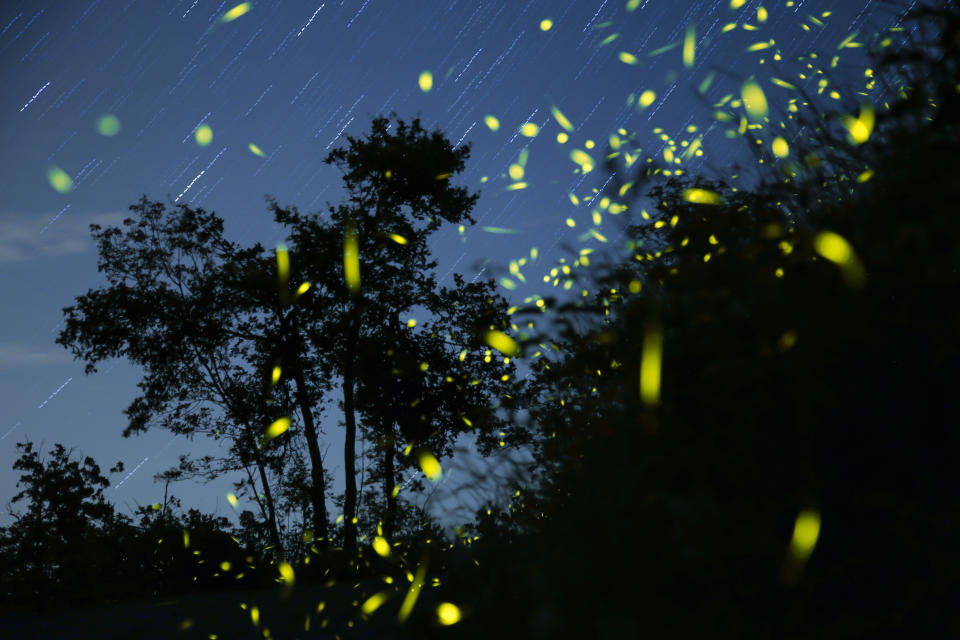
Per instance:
{"type": "Point", "coordinates": [66, 533]}
{"type": "Point", "coordinates": [185, 303]}
{"type": "Point", "coordinates": [398, 195]}
{"type": "Point", "coordinates": [216, 329]}
{"type": "Point", "coordinates": [426, 387]}
{"type": "Point", "coordinates": [175, 552]}
{"type": "Point", "coordinates": [68, 547]}
{"type": "Point", "coordinates": [279, 339]}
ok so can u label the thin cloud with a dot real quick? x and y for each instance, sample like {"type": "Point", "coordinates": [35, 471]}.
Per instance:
{"type": "Point", "coordinates": [13, 355]}
{"type": "Point", "coordinates": [27, 236]}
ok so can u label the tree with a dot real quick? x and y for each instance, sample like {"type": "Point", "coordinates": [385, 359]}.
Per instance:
{"type": "Point", "coordinates": [67, 534]}
{"type": "Point", "coordinates": [217, 330]}
{"type": "Point", "coordinates": [175, 552]}
{"type": "Point", "coordinates": [68, 547]}
{"type": "Point", "coordinates": [186, 304]}
{"type": "Point", "coordinates": [369, 263]}
{"type": "Point", "coordinates": [279, 336]}
{"type": "Point", "coordinates": [426, 387]}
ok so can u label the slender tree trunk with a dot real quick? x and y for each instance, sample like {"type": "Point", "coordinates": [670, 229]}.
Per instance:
{"type": "Point", "coordinates": [349, 445]}
{"type": "Point", "coordinates": [271, 511]}
{"type": "Point", "coordinates": [318, 492]}
{"type": "Point", "coordinates": [291, 349]}
{"type": "Point", "coordinates": [363, 472]}
{"type": "Point", "coordinates": [274, 530]}
{"type": "Point", "coordinates": [389, 482]}
{"type": "Point", "coordinates": [256, 495]}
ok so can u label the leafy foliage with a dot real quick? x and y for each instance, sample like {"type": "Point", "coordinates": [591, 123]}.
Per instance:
{"type": "Point", "coordinates": [68, 546]}
{"type": "Point", "coordinates": [64, 533]}
{"type": "Point", "coordinates": [785, 385]}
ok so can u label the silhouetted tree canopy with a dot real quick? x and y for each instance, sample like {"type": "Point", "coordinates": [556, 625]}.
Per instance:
{"type": "Point", "coordinates": [68, 546]}
{"type": "Point", "coordinates": [413, 383]}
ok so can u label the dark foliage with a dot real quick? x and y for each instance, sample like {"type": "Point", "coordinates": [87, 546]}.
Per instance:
{"type": "Point", "coordinates": [64, 534]}
{"type": "Point", "coordinates": [68, 547]}
{"type": "Point", "coordinates": [788, 383]}
{"type": "Point", "coordinates": [403, 380]}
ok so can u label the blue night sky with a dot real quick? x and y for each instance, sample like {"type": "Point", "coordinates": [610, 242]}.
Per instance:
{"type": "Point", "coordinates": [294, 78]}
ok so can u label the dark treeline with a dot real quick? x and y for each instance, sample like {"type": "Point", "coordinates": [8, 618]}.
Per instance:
{"type": "Point", "coordinates": [746, 429]}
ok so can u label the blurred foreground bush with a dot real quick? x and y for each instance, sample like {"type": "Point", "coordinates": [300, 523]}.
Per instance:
{"type": "Point", "coordinates": [809, 332]}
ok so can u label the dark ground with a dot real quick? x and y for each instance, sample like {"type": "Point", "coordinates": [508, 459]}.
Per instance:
{"type": "Point", "coordinates": [221, 614]}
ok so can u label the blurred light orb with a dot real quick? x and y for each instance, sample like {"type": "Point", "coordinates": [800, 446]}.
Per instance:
{"type": "Point", "coordinates": [780, 147]}
{"type": "Point", "coordinates": [236, 12]}
{"type": "Point", "coordinates": [59, 179]}
{"type": "Point", "coordinates": [204, 135]}
{"type": "Point", "coordinates": [108, 125]}
{"type": "Point", "coordinates": [646, 99]}
{"type": "Point", "coordinates": [448, 614]}
{"type": "Point", "coordinates": [426, 81]}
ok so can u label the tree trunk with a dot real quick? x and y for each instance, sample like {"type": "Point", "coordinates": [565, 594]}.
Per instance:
{"type": "Point", "coordinates": [256, 495]}
{"type": "Point", "coordinates": [389, 482]}
{"type": "Point", "coordinates": [349, 444]}
{"type": "Point", "coordinates": [318, 493]}
{"type": "Point", "coordinates": [274, 531]}
{"type": "Point", "coordinates": [291, 349]}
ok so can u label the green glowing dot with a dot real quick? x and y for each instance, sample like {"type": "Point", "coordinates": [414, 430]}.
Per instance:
{"type": "Point", "coordinates": [646, 99]}
{"type": "Point", "coordinates": [833, 247]}
{"type": "Point", "coordinates": [529, 129]}
{"type": "Point", "coordinates": [426, 81]}
{"type": "Point", "coordinates": [780, 148]}
{"type": "Point", "coordinates": [204, 135]}
{"type": "Point", "coordinates": [236, 12]}
{"type": "Point", "coordinates": [448, 614]}
{"type": "Point", "coordinates": [753, 100]}
{"type": "Point", "coordinates": [59, 179]}
{"type": "Point", "coordinates": [805, 533]}
{"type": "Point", "coordinates": [108, 125]}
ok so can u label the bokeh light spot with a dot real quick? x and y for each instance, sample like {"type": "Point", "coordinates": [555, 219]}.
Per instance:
{"type": "Point", "coordinates": [448, 614]}
{"type": "Point", "coordinates": [646, 99]}
{"type": "Point", "coordinates": [426, 81]}
{"type": "Point", "coordinates": [204, 135]}
{"type": "Point", "coordinates": [59, 179]}
{"type": "Point", "coordinates": [236, 12]}
{"type": "Point", "coordinates": [108, 125]}
{"type": "Point", "coordinates": [529, 129]}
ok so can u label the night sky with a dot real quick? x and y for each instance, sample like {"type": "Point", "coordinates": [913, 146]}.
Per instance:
{"type": "Point", "coordinates": [103, 102]}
